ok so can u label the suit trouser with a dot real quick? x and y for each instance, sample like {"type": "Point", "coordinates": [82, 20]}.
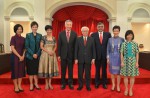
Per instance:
{"type": "Point", "coordinates": [98, 64]}
{"type": "Point", "coordinates": [67, 64]}
{"type": "Point", "coordinates": [81, 68]}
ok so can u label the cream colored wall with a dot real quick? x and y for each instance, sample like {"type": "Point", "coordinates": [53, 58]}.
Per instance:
{"type": "Point", "coordinates": [119, 12]}
{"type": "Point", "coordinates": [142, 34]}
{"type": "Point", "coordinates": [25, 24]}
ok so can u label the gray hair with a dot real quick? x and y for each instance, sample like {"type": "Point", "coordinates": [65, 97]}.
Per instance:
{"type": "Point", "coordinates": [84, 27]}
{"type": "Point", "coordinates": [68, 21]}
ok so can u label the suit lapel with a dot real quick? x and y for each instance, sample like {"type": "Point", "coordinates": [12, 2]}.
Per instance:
{"type": "Point", "coordinates": [71, 35]}
{"type": "Point", "coordinates": [104, 36]}
{"type": "Point", "coordinates": [87, 42]}
{"type": "Point", "coordinates": [64, 34]}
{"type": "Point", "coordinates": [82, 41]}
{"type": "Point", "coordinates": [97, 35]}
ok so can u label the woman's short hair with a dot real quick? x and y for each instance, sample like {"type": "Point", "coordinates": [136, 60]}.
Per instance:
{"type": "Point", "coordinates": [116, 27]}
{"type": "Point", "coordinates": [48, 27]}
{"type": "Point", "coordinates": [128, 32]}
{"type": "Point", "coordinates": [17, 26]}
{"type": "Point", "coordinates": [34, 23]}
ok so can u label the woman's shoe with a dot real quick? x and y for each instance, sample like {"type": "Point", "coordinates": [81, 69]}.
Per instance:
{"type": "Point", "coordinates": [51, 87]}
{"type": "Point", "coordinates": [47, 87]}
{"type": "Point", "coordinates": [38, 88]}
{"type": "Point", "coordinates": [126, 93]}
{"type": "Point", "coordinates": [118, 90]}
{"type": "Point", "coordinates": [130, 94]}
{"type": "Point", "coordinates": [21, 90]}
{"type": "Point", "coordinates": [32, 89]}
{"type": "Point", "coordinates": [113, 89]}
{"type": "Point", "coordinates": [16, 91]}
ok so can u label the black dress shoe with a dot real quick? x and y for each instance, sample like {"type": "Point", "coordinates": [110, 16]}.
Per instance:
{"type": "Point", "coordinates": [71, 87]}
{"type": "Point", "coordinates": [79, 88]}
{"type": "Point", "coordinates": [63, 87]}
{"type": "Point", "coordinates": [96, 86]}
{"type": "Point", "coordinates": [88, 89]}
{"type": "Point", "coordinates": [104, 86]}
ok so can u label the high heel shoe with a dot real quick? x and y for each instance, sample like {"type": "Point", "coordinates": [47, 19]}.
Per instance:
{"type": "Point", "coordinates": [47, 87]}
{"type": "Point", "coordinates": [32, 89]}
{"type": "Point", "coordinates": [38, 88]}
{"type": "Point", "coordinates": [51, 87]}
{"type": "Point", "coordinates": [113, 89]}
{"type": "Point", "coordinates": [130, 94]}
{"type": "Point", "coordinates": [16, 91]}
{"type": "Point", "coordinates": [118, 90]}
{"type": "Point", "coordinates": [126, 93]}
{"type": "Point", "coordinates": [21, 90]}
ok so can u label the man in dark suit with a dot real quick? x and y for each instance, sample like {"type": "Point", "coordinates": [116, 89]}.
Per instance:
{"type": "Point", "coordinates": [66, 46]}
{"type": "Point", "coordinates": [85, 56]}
{"type": "Point", "coordinates": [101, 40]}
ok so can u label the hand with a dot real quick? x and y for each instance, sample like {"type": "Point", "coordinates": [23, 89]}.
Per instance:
{"type": "Point", "coordinates": [21, 58]}
{"type": "Point", "coordinates": [93, 61]}
{"type": "Point", "coordinates": [59, 59]}
{"type": "Point", "coordinates": [108, 62]}
{"type": "Point", "coordinates": [35, 56]}
{"type": "Point", "coordinates": [76, 61]}
{"type": "Point", "coordinates": [51, 53]}
{"type": "Point", "coordinates": [122, 64]}
{"type": "Point", "coordinates": [137, 65]}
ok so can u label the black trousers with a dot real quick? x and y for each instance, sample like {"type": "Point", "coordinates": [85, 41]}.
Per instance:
{"type": "Point", "coordinates": [98, 65]}
{"type": "Point", "coordinates": [81, 68]}
{"type": "Point", "coordinates": [67, 64]}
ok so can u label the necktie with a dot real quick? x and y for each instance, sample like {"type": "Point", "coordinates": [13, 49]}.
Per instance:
{"type": "Point", "coordinates": [85, 40]}
{"type": "Point", "coordinates": [68, 36]}
{"type": "Point", "coordinates": [101, 38]}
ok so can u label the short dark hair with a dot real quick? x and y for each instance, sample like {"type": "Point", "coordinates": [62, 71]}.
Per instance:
{"type": "Point", "coordinates": [128, 32]}
{"type": "Point", "coordinates": [116, 27]}
{"type": "Point", "coordinates": [48, 27]}
{"type": "Point", "coordinates": [17, 26]}
{"type": "Point", "coordinates": [34, 23]}
{"type": "Point", "coordinates": [100, 23]}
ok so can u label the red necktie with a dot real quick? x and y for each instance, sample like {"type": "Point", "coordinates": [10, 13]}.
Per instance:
{"type": "Point", "coordinates": [68, 36]}
{"type": "Point", "coordinates": [85, 40]}
{"type": "Point", "coordinates": [101, 38]}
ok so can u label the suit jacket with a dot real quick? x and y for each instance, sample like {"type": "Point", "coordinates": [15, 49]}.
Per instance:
{"type": "Point", "coordinates": [101, 49]}
{"type": "Point", "coordinates": [30, 45]}
{"type": "Point", "coordinates": [65, 48]}
{"type": "Point", "coordinates": [84, 54]}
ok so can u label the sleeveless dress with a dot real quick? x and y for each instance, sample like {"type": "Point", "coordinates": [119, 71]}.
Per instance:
{"type": "Point", "coordinates": [48, 65]}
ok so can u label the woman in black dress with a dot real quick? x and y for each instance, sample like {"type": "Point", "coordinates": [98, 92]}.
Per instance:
{"type": "Point", "coordinates": [17, 58]}
{"type": "Point", "coordinates": [33, 51]}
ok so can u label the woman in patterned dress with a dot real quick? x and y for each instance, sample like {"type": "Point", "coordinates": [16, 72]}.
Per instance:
{"type": "Point", "coordinates": [48, 66]}
{"type": "Point", "coordinates": [17, 44]}
{"type": "Point", "coordinates": [113, 57]}
{"type": "Point", "coordinates": [129, 61]}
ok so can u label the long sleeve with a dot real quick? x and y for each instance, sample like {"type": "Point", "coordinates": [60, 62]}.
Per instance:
{"type": "Point", "coordinates": [27, 46]}
{"type": "Point", "coordinates": [76, 49]}
{"type": "Point", "coordinates": [93, 49]}
{"type": "Point", "coordinates": [39, 50]}
{"type": "Point", "coordinates": [108, 48]}
{"type": "Point", "coordinates": [59, 45]}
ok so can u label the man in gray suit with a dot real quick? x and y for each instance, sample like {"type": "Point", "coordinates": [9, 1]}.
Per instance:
{"type": "Point", "coordinates": [84, 56]}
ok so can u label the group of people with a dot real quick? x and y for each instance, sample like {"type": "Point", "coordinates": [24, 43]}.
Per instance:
{"type": "Point", "coordinates": [38, 53]}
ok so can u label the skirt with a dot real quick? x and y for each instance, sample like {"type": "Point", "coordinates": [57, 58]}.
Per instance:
{"type": "Point", "coordinates": [32, 66]}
